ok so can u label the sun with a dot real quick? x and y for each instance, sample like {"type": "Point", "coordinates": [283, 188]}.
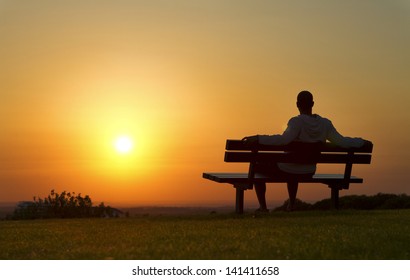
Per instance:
{"type": "Point", "coordinates": [123, 144]}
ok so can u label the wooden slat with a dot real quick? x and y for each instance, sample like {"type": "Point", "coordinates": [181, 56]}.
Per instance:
{"type": "Point", "coordinates": [294, 158]}
{"type": "Point", "coordinates": [239, 145]}
{"type": "Point", "coordinates": [233, 178]}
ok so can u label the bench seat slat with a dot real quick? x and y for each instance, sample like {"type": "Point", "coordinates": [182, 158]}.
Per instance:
{"type": "Point", "coordinates": [243, 178]}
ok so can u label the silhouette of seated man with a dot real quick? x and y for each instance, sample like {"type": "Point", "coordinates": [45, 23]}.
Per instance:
{"type": "Point", "coordinates": [306, 127]}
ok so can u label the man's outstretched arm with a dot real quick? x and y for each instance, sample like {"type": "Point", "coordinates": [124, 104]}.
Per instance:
{"type": "Point", "coordinates": [346, 142]}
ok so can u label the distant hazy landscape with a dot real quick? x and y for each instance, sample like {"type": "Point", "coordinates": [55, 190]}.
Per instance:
{"type": "Point", "coordinates": [8, 208]}
{"type": "Point", "coordinates": [380, 201]}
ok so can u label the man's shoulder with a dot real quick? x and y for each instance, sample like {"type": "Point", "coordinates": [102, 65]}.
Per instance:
{"type": "Point", "coordinates": [326, 123]}
{"type": "Point", "coordinates": [295, 120]}
{"type": "Point", "coordinates": [301, 117]}
{"type": "Point", "coordinates": [323, 118]}
{"type": "Point", "coordinates": [313, 120]}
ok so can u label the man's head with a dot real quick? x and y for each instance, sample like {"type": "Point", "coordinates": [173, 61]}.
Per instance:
{"type": "Point", "coordinates": [305, 101]}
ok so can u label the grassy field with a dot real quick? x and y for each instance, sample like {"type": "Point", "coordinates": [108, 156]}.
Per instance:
{"type": "Point", "coordinates": [278, 235]}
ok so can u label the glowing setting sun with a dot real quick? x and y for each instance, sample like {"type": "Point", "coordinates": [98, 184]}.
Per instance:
{"type": "Point", "coordinates": [131, 101]}
{"type": "Point", "coordinates": [123, 144]}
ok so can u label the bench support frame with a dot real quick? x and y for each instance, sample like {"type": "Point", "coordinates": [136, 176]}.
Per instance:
{"type": "Point", "coordinates": [241, 188]}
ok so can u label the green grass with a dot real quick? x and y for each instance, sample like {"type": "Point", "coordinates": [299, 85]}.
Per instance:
{"type": "Point", "coordinates": [298, 235]}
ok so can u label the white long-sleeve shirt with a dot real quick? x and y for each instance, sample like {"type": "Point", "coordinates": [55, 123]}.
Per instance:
{"type": "Point", "coordinates": [310, 129]}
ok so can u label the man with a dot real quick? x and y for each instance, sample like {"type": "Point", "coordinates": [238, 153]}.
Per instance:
{"type": "Point", "coordinates": [306, 127]}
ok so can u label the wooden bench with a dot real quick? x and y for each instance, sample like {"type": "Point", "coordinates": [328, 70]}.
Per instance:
{"type": "Point", "coordinates": [297, 152]}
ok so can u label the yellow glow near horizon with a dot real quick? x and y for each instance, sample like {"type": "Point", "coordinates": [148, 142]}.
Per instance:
{"type": "Point", "coordinates": [124, 144]}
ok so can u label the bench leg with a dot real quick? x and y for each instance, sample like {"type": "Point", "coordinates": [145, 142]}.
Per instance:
{"type": "Point", "coordinates": [335, 196]}
{"type": "Point", "coordinates": [239, 200]}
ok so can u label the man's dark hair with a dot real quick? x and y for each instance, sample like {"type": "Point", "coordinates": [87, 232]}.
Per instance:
{"type": "Point", "coordinates": [305, 99]}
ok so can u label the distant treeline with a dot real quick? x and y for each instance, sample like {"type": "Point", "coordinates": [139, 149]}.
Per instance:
{"type": "Point", "coordinates": [359, 202]}
{"type": "Point", "coordinates": [64, 205]}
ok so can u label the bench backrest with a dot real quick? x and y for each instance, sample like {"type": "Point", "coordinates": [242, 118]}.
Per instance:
{"type": "Point", "coordinates": [297, 152]}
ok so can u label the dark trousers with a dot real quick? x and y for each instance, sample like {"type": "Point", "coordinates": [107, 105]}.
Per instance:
{"type": "Point", "coordinates": [272, 170]}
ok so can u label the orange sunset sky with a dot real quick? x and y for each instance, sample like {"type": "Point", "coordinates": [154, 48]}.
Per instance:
{"type": "Point", "coordinates": [180, 77]}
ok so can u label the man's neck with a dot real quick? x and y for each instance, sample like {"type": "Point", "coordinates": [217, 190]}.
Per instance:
{"type": "Point", "coordinates": [306, 112]}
